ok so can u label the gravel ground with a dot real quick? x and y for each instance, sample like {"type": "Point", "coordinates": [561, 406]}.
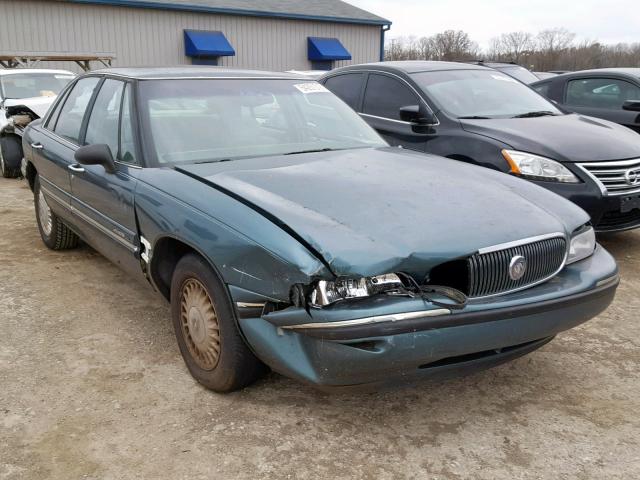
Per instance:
{"type": "Point", "coordinates": [92, 386]}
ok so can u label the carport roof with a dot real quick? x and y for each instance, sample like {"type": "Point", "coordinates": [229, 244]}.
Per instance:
{"type": "Point", "coordinates": [317, 10]}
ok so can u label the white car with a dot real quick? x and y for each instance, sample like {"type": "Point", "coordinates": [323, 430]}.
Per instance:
{"type": "Point", "coordinates": [25, 95]}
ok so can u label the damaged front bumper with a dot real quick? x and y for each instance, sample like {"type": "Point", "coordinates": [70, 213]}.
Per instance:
{"type": "Point", "coordinates": [386, 339]}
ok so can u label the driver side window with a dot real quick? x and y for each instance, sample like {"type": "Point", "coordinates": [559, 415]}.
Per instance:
{"type": "Point", "coordinates": [608, 93]}
{"type": "Point", "coordinates": [385, 95]}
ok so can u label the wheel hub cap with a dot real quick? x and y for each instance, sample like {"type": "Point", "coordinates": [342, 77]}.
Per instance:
{"type": "Point", "coordinates": [44, 214]}
{"type": "Point", "coordinates": [199, 323]}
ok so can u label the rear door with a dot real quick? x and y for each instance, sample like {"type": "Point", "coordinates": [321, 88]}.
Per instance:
{"type": "Point", "coordinates": [54, 144]}
{"type": "Point", "coordinates": [603, 97]}
{"type": "Point", "coordinates": [383, 97]}
{"type": "Point", "coordinates": [102, 201]}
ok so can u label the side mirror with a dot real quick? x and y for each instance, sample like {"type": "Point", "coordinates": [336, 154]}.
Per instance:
{"type": "Point", "coordinates": [99, 154]}
{"type": "Point", "coordinates": [416, 114]}
{"type": "Point", "coordinates": [631, 105]}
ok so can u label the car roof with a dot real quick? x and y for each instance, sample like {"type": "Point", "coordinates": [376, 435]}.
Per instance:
{"type": "Point", "coordinates": [498, 64]}
{"type": "Point", "coordinates": [633, 72]}
{"type": "Point", "coordinates": [13, 71]}
{"type": "Point", "coordinates": [413, 66]}
{"type": "Point", "coordinates": [147, 73]}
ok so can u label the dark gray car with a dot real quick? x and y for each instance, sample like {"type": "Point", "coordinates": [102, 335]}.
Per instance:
{"type": "Point", "coordinates": [609, 93]}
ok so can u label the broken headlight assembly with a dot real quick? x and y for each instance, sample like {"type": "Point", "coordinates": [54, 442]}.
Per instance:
{"type": "Point", "coordinates": [327, 292]}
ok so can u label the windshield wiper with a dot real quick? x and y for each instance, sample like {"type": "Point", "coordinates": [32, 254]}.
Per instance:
{"type": "Point", "coordinates": [473, 117]}
{"type": "Point", "coordinates": [212, 161]}
{"type": "Point", "coordinates": [541, 113]}
{"type": "Point", "coordinates": [326, 149]}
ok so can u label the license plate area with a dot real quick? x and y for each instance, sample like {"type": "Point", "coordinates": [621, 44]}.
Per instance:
{"type": "Point", "coordinates": [629, 203]}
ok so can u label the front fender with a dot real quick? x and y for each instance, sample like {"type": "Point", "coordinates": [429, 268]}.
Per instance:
{"type": "Point", "coordinates": [249, 252]}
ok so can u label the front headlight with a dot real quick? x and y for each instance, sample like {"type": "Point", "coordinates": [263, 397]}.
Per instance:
{"type": "Point", "coordinates": [326, 292]}
{"type": "Point", "coordinates": [583, 244]}
{"type": "Point", "coordinates": [535, 167]}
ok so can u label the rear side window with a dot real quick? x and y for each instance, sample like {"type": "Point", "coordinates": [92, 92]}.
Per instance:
{"type": "Point", "coordinates": [347, 87]}
{"type": "Point", "coordinates": [543, 89]}
{"type": "Point", "coordinates": [385, 95]}
{"type": "Point", "coordinates": [607, 93]}
{"type": "Point", "coordinates": [103, 126]}
{"type": "Point", "coordinates": [70, 119]}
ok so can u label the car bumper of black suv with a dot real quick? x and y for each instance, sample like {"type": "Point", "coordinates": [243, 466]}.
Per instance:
{"type": "Point", "coordinates": [609, 213]}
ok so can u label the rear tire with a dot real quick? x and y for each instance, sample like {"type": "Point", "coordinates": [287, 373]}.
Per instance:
{"type": "Point", "coordinates": [206, 329]}
{"type": "Point", "coordinates": [10, 154]}
{"type": "Point", "coordinates": [55, 234]}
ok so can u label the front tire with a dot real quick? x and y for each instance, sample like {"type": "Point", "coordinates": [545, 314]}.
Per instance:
{"type": "Point", "coordinates": [206, 329]}
{"type": "Point", "coordinates": [54, 233]}
{"type": "Point", "coordinates": [10, 155]}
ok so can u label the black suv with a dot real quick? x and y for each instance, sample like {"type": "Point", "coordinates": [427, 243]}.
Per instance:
{"type": "Point", "coordinates": [482, 116]}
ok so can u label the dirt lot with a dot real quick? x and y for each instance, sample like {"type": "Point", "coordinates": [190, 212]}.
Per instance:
{"type": "Point", "coordinates": [92, 386]}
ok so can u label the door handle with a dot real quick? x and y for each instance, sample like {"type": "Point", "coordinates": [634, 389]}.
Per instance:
{"type": "Point", "coordinates": [37, 146]}
{"type": "Point", "coordinates": [76, 168]}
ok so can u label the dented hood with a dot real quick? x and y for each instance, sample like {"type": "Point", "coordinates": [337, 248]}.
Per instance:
{"type": "Point", "coordinates": [38, 105]}
{"type": "Point", "coordinates": [371, 211]}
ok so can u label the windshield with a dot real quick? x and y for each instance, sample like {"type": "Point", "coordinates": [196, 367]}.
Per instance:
{"type": "Point", "coordinates": [482, 94]}
{"type": "Point", "coordinates": [520, 73]}
{"type": "Point", "coordinates": [194, 120]}
{"type": "Point", "coordinates": [27, 85]}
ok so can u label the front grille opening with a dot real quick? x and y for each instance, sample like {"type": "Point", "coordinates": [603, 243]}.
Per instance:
{"type": "Point", "coordinates": [453, 274]}
{"type": "Point", "coordinates": [470, 357]}
{"type": "Point", "coordinates": [490, 271]}
{"type": "Point", "coordinates": [612, 175]}
{"type": "Point", "coordinates": [619, 219]}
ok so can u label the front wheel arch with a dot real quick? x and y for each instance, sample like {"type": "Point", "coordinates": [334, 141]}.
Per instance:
{"type": "Point", "coordinates": [166, 253]}
{"type": "Point", "coordinates": [31, 174]}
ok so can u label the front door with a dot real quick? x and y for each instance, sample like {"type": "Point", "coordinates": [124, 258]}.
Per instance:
{"type": "Point", "coordinates": [603, 97]}
{"type": "Point", "coordinates": [103, 201]}
{"type": "Point", "coordinates": [383, 97]}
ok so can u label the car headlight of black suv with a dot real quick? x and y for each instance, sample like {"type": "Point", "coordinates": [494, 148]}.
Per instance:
{"type": "Point", "coordinates": [536, 167]}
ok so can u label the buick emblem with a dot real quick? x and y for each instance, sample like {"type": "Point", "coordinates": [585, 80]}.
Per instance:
{"type": "Point", "coordinates": [632, 177]}
{"type": "Point", "coordinates": [517, 267]}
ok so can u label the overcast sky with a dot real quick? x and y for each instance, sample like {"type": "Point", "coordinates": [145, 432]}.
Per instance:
{"type": "Point", "coordinates": [609, 21]}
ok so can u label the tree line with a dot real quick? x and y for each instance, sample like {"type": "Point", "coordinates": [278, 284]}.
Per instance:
{"type": "Point", "coordinates": [552, 49]}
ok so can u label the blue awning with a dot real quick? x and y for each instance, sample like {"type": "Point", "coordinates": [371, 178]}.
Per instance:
{"type": "Point", "coordinates": [323, 49]}
{"type": "Point", "coordinates": [201, 43]}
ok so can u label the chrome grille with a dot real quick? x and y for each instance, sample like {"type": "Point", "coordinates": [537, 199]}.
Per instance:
{"type": "Point", "coordinates": [613, 176]}
{"type": "Point", "coordinates": [489, 271]}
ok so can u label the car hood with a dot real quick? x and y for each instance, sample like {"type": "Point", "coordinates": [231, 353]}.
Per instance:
{"type": "Point", "coordinates": [370, 211]}
{"type": "Point", "coordinates": [569, 138]}
{"type": "Point", "coordinates": [38, 105]}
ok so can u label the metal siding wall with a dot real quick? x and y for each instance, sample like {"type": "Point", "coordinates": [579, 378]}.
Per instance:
{"type": "Point", "coordinates": [143, 37]}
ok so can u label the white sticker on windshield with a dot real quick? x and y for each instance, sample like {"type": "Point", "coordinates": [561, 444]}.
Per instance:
{"type": "Point", "coordinates": [64, 77]}
{"type": "Point", "coordinates": [504, 78]}
{"type": "Point", "coordinates": [310, 87]}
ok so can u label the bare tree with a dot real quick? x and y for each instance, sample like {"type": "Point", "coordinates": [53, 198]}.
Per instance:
{"type": "Point", "coordinates": [552, 49]}
{"type": "Point", "coordinates": [512, 46]}
{"type": "Point", "coordinates": [425, 48]}
{"type": "Point", "coordinates": [551, 44]}
{"type": "Point", "coordinates": [452, 45]}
